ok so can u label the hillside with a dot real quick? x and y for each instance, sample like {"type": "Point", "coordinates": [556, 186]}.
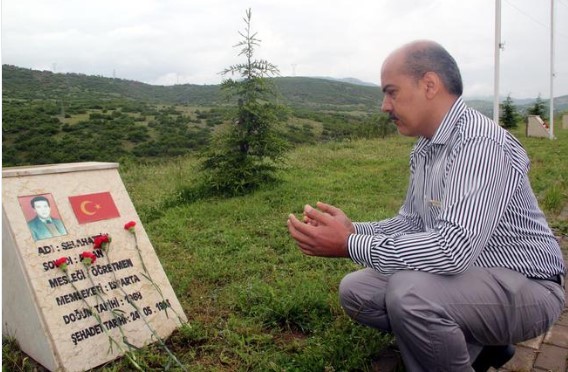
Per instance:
{"type": "Point", "coordinates": [21, 83]}
{"type": "Point", "coordinates": [300, 92]}
{"type": "Point", "coordinates": [48, 118]}
{"type": "Point", "coordinates": [317, 93]}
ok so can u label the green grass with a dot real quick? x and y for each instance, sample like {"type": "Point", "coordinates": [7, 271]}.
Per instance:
{"type": "Point", "coordinates": [254, 301]}
{"type": "Point", "coordinates": [549, 176]}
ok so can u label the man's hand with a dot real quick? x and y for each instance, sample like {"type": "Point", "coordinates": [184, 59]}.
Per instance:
{"type": "Point", "coordinates": [324, 232]}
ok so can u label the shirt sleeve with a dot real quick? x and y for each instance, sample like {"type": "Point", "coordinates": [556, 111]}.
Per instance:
{"type": "Point", "coordinates": [480, 181]}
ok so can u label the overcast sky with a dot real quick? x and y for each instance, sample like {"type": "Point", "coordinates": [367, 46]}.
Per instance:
{"type": "Point", "coordinates": [169, 42]}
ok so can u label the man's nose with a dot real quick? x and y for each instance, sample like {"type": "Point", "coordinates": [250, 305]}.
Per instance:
{"type": "Point", "coordinates": [386, 104]}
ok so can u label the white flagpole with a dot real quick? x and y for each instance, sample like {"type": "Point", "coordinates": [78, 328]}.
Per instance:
{"type": "Point", "coordinates": [497, 57]}
{"type": "Point", "coordinates": [551, 128]}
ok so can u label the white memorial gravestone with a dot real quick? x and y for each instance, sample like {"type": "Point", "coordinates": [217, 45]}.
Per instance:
{"type": "Point", "coordinates": [536, 127]}
{"type": "Point", "coordinates": [67, 320]}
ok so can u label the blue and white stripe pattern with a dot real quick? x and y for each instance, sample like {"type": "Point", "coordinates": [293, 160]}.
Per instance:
{"type": "Point", "coordinates": [469, 202]}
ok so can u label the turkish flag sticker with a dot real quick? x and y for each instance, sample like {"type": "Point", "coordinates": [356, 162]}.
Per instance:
{"type": "Point", "coordinates": [93, 207]}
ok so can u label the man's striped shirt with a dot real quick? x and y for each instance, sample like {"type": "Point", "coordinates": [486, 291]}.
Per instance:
{"type": "Point", "coordinates": [469, 202]}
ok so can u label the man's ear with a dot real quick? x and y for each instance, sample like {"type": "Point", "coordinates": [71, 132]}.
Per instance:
{"type": "Point", "coordinates": [432, 84]}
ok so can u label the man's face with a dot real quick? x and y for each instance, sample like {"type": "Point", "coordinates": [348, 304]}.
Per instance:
{"type": "Point", "coordinates": [42, 209]}
{"type": "Point", "coordinates": [404, 98]}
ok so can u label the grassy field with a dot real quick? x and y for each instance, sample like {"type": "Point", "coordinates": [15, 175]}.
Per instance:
{"type": "Point", "coordinates": [254, 302]}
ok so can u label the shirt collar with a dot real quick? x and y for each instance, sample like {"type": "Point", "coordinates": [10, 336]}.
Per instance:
{"type": "Point", "coordinates": [444, 131]}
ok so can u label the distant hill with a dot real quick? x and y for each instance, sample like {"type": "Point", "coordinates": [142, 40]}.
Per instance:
{"type": "Point", "coordinates": [300, 92]}
{"type": "Point", "coordinates": [350, 81]}
{"type": "Point", "coordinates": [323, 93]}
{"type": "Point", "coordinates": [22, 83]}
{"type": "Point", "coordinates": [54, 118]}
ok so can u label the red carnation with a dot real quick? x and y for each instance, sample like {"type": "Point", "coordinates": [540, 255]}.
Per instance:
{"type": "Point", "coordinates": [101, 241]}
{"type": "Point", "coordinates": [61, 263]}
{"type": "Point", "coordinates": [130, 226]}
{"type": "Point", "coordinates": [87, 258]}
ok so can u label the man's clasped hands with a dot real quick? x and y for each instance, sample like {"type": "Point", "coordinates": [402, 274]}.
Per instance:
{"type": "Point", "coordinates": [323, 231]}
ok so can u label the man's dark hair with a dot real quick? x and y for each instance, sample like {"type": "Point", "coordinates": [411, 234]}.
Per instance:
{"type": "Point", "coordinates": [38, 198]}
{"type": "Point", "coordinates": [432, 57]}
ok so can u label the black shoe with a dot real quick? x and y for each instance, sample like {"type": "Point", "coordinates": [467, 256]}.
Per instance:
{"type": "Point", "coordinates": [493, 356]}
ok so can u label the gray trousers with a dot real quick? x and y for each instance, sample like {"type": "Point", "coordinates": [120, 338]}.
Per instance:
{"type": "Point", "coordinates": [441, 322]}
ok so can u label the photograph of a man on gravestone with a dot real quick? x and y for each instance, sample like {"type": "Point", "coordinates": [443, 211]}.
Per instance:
{"type": "Point", "coordinates": [44, 222]}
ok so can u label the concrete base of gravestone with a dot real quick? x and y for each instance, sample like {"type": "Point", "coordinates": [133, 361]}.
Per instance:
{"type": "Point", "coordinates": [536, 127]}
{"type": "Point", "coordinates": [67, 326]}
{"type": "Point", "coordinates": [565, 121]}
